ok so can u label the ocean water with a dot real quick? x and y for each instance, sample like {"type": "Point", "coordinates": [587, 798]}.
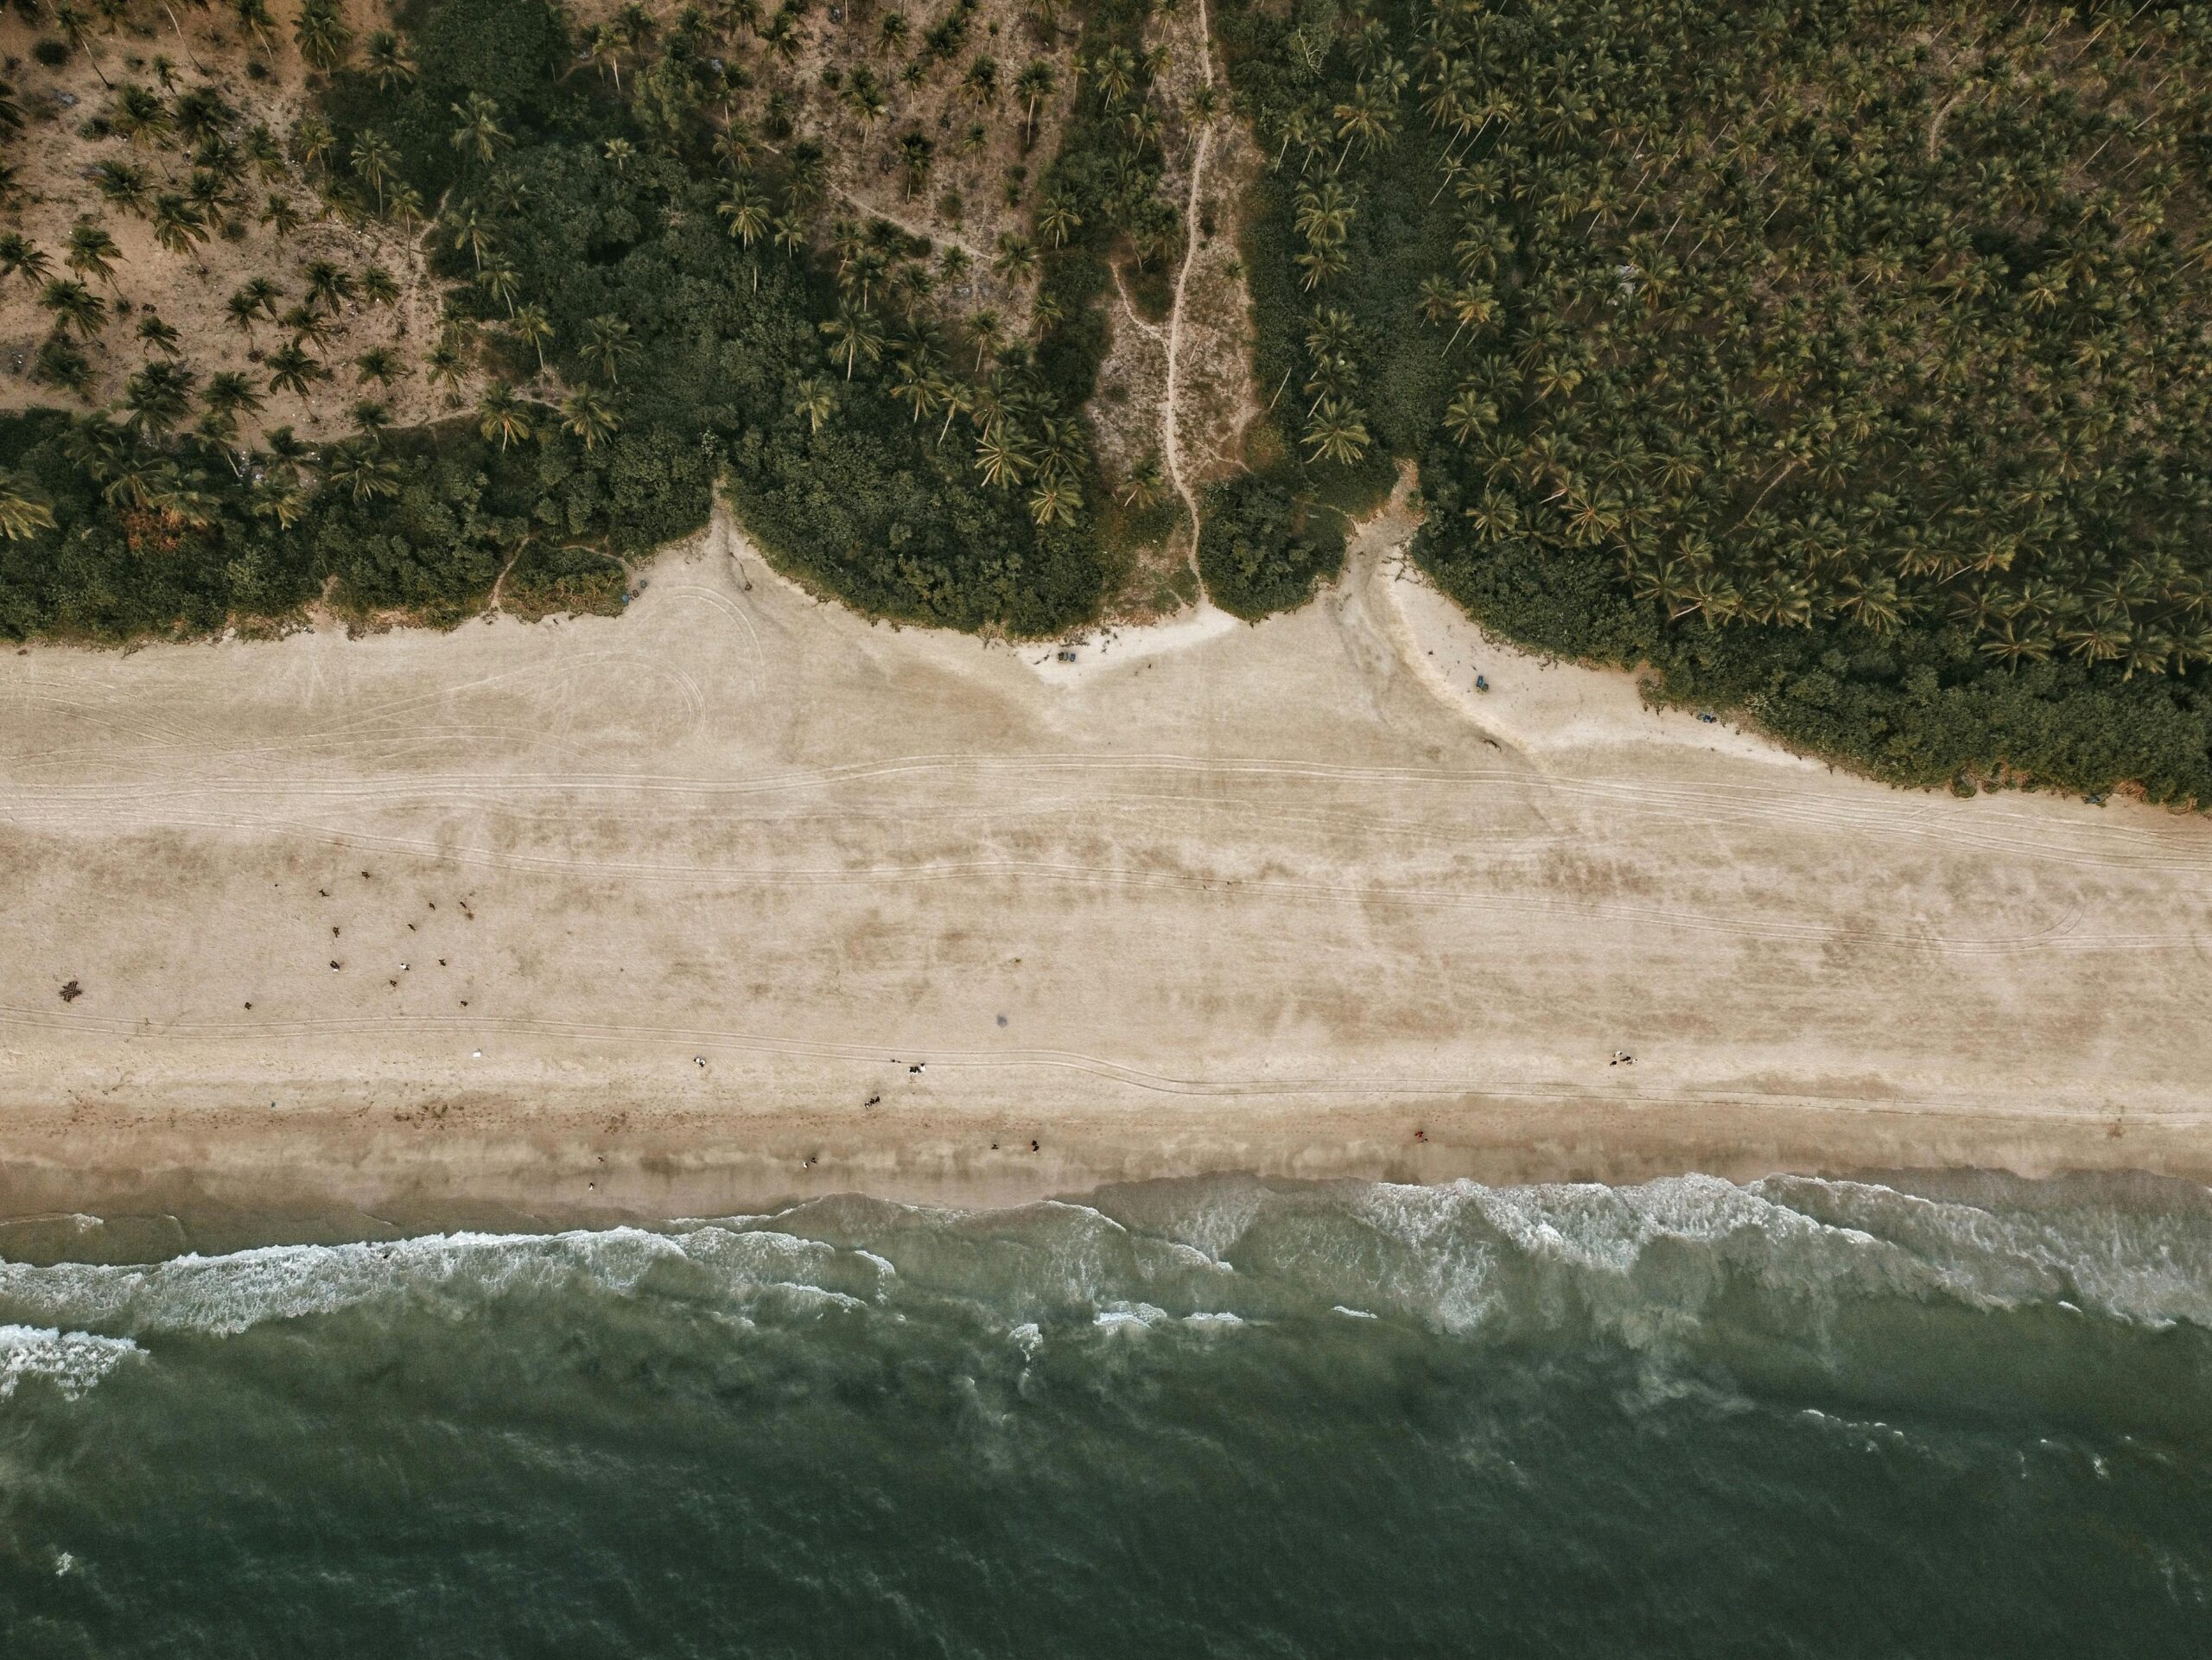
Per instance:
{"type": "Point", "coordinates": [1962, 1415]}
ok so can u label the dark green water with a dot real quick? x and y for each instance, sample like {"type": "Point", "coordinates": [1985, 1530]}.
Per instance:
{"type": "Point", "coordinates": [1954, 1417]}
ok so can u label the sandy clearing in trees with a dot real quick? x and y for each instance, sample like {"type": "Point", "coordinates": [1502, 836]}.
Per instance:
{"type": "Point", "coordinates": [1288, 899]}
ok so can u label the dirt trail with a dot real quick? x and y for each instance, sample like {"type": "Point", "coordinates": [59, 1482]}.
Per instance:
{"type": "Point", "coordinates": [1170, 406]}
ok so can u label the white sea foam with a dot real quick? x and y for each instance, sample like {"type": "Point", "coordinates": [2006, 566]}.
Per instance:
{"type": "Point", "coordinates": [73, 1362]}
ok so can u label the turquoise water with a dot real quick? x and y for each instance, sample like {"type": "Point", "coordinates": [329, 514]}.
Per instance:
{"type": "Point", "coordinates": [1964, 1416]}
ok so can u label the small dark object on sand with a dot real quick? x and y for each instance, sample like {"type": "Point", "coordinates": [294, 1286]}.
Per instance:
{"type": "Point", "coordinates": [1481, 684]}
{"type": "Point", "coordinates": [1708, 719]}
{"type": "Point", "coordinates": [71, 992]}
{"type": "Point", "coordinates": [1033, 1146]}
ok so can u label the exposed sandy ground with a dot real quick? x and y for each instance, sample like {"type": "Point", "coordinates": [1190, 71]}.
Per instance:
{"type": "Point", "coordinates": [1289, 897]}
{"type": "Point", "coordinates": [188, 291]}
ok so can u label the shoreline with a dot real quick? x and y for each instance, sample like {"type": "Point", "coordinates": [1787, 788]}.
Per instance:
{"type": "Point", "coordinates": [473, 910]}
{"type": "Point", "coordinates": [368, 1165]}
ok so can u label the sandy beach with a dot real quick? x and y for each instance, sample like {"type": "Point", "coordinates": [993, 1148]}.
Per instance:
{"type": "Point", "coordinates": [738, 897]}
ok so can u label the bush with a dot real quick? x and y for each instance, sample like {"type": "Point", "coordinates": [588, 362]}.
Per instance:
{"type": "Point", "coordinates": [1261, 551]}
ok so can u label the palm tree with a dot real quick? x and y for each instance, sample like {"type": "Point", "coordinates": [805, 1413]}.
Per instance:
{"type": "Point", "coordinates": [123, 185]}
{"type": "Point", "coordinates": [814, 398]}
{"type": "Point", "coordinates": [480, 132]}
{"type": "Point", "coordinates": [533, 327]}
{"type": "Point", "coordinates": [744, 212]}
{"type": "Point", "coordinates": [291, 370]}
{"type": "Point", "coordinates": [178, 224]}
{"type": "Point", "coordinates": [472, 230]}
{"type": "Point", "coordinates": [1003, 456]}
{"type": "Point", "coordinates": [329, 284]}
{"type": "Point", "coordinates": [158, 397]}
{"type": "Point", "coordinates": [279, 215]}
{"type": "Point", "coordinates": [501, 283]}
{"type": "Point", "coordinates": [915, 156]}
{"type": "Point", "coordinates": [376, 161]}
{"type": "Point", "coordinates": [360, 471]}
{"type": "Point", "coordinates": [1059, 220]}
{"type": "Point", "coordinates": [1035, 84]}
{"type": "Point", "coordinates": [857, 334]}
{"type": "Point", "coordinates": [22, 513]}
{"type": "Point", "coordinates": [322, 34]}
{"type": "Point", "coordinates": [445, 367]}
{"type": "Point", "coordinates": [141, 116]}
{"type": "Point", "coordinates": [20, 257]}
{"type": "Point", "coordinates": [1016, 259]}
{"type": "Point", "coordinates": [1055, 501]}
{"type": "Point", "coordinates": [1141, 488]}
{"type": "Point", "coordinates": [588, 417]}
{"type": "Point", "coordinates": [70, 20]}
{"type": "Point", "coordinates": [230, 393]}
{"type": "Point", "coordinates": [389, 61]}
{"type": "Point", "coordinates": [380, 363]}
{"type": "Point", "coordinates": [74, 306]}
{"type": "Point", "coordinates": [162, 336]}
{"type": "Point", "coordinates": [1337, 432]}
{"type": "Point", "coordinates": [607, 343]}
{"type": "Point", "coordinates": [501, 415]}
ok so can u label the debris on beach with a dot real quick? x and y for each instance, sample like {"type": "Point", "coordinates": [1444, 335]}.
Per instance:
{"type": "Point", "coordinates": [71, 992]}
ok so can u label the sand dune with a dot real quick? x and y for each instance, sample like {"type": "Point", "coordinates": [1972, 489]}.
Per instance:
{"type": "Point", "coordinates": [1292, 898]}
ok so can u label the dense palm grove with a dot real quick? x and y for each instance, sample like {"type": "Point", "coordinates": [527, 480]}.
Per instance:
{"type": "Point", "coordinates": [656, 292]}
{"type": "Point", "coordinates": [1845, 361]}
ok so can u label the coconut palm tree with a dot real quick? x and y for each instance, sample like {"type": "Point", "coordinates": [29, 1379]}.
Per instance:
{"type": "Point", "coordinates": [607, 342]}
{"type": "Point", "coordinates": [376, 161]}
{"type": "Point", "coordinates": [1036, 83]}
{"type": "Point", "coordinates": [380, 363]}
{"type": "Point", "coordinates": [322, 34]}
{"type": "Point", "coordinates": [1337, 432]}
{"type": "Point", "coordinates": [329, 284]}
{"type": "Point", "coordinates": [501, 282]}
{"type": "Point", "coordinates": [70, 19]}
{"type": "Point", "coordinates": [74, 306]}
{"type": "Point", "coordinates": [1003, 456]}
{"type": "Point", "coordinates": [162, 336]}
{"type": "Point", "coordinates": [291, 370]}
{"type": "Point", "coordinates": [857, 333]}
{"type": "Point", "coordinates": [916, 156]}
{"type": "Point", "coordinates": [21, 513]}
{"type": "Point", "coordinates": [230, 393]}
{"type": "Point", "coordinates": [179, 225]}
{"type": "Point", "coordinates": [814, 398]}
{"type": "Point", "coordinates": [1016, 259]}
{"type": "Point", "coordinates": [472, 229]}
{"type": "Point", "coordinates": [586, 415]}
{"type": "Point", "coordinates": [479, 133]}
{"type": "Point", "coordinates": [501, 415]}
{"type": "Point", "coordinates": [158, 397]}
{"type": "Point", "coordinates": [1141, 488]}
{"type": "Point", "coordinates": [122, 185]}
{"type": "Point", "coordinates": [141, 116]}
{"type": "Point", "coordinates": [20, 257]}
{"type": "Point", "coordinates": [363, 472]}
{"type": "Point", "coordinates": [391, 65]}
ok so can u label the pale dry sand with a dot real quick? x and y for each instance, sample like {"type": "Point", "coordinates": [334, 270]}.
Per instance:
{"type": "Point", "coordinates": [1289, 897]}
